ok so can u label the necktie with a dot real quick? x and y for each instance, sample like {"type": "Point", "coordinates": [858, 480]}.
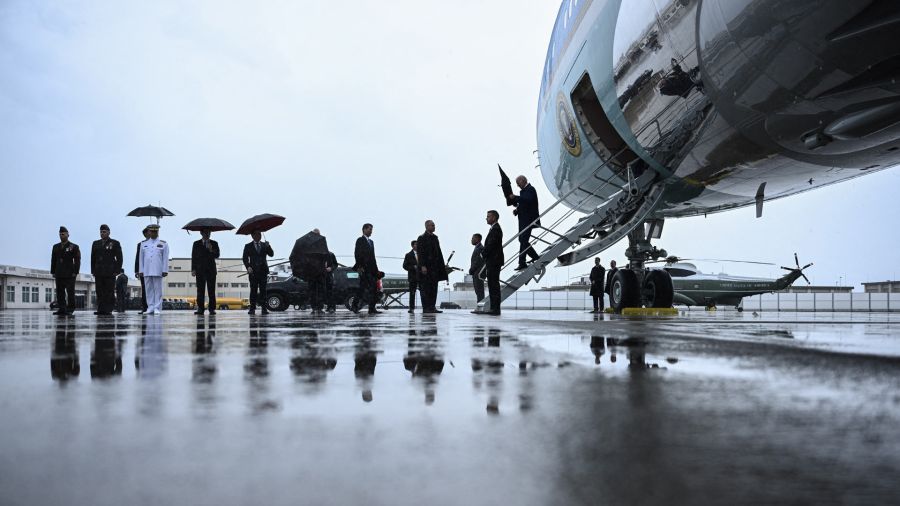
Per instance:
{"type": "Point", "coordinates": [371, 244]}
{"type": "Point", "coordinates": [257, 247]}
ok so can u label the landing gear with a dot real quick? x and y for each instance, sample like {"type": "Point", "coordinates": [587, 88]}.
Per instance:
{"type": "Point", "coordinates": [625, 291]}
{"type": "Point", "coordinates": [638, 286]}
{"type": "Point", "coordinates": [658, 289]}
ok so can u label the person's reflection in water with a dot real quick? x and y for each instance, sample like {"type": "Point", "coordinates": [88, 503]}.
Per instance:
{"type": "Point", "coordinates": [150, 356]}
{"type": "Point", "coordinates": [106, 358]}
{"type": "Point", "coordinates": [364, 361]}
{"type": "Point", "coordinates": [204, 365]}
{"type": "Point", "coordinates": [64, 364]}
{"type": "Point", "coordinates": [256, 369]}
{"type": "Point", "coordinates": [597, 348]}
{"type": "Point", "coordinates": [312, 360]}
{"type": "Point", "coordinates": [487, 366]}
{"type": "Point", "coordinates": [424, 360]}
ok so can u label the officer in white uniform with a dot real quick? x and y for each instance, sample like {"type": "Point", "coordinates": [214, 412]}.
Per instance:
{"type": "Point", "coordinates": [153, 265]}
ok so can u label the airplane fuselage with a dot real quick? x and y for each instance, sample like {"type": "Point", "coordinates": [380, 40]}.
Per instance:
{"type": "Point", "coordinates": [727, 101]}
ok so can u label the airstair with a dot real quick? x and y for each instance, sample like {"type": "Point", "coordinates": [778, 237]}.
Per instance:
{"type": "Point", "coordinates": [607, 224]}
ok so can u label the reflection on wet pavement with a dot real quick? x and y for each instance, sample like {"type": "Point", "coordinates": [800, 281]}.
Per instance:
{"type": "Point", "coordinates": [529, 408]}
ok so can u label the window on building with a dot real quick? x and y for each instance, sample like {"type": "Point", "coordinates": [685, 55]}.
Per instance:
{"type": "Point", "coordinates": [26, 294]}
{"type": "Point", "coordinates": [192, 285]}
{"type": "Point", "coordinates": [171, 285]}
{"type": "Point", "coordinates": [222, 285]}
{"type": "Point", "coordinates": [48, 295]}
{"type": "Point", "coordinates": [10, 294]}
{"type": "Point", "coordinates": [235, 285]}
{"type": "Point", "coordinates": [245, 285]}
{"type": "Point", "coordinates": [35, 294]}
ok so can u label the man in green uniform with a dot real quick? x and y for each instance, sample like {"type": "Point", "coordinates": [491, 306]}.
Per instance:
{"type": "Point", "coordinates": [65, 262]}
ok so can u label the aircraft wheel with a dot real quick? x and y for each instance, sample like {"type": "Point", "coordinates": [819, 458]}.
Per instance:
{"type": "Point", "coordinates": [625, 291]}
{"type": "Point", "coordinates": [659, 289]}
{"type": "Point", "coordinates": [276, 302]}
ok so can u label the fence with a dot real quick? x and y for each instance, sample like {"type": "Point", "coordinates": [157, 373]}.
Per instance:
{"type": "Point", "coordinates": [803, 302]}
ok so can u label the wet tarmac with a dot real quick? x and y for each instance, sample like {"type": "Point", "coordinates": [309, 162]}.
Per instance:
{"type": "Point", "coordinates": [529, 408]}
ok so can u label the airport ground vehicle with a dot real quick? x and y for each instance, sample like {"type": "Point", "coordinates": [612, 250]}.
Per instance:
{"type": "Point", "coordinates": [293, 291]}
{"type": "Point", "coordinates": [224, 303]}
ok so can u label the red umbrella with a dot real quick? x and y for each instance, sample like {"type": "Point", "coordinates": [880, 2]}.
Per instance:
{"type": "Point", "coordinates": [261, 222]}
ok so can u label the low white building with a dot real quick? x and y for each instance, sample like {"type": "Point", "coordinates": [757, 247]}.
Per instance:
{"type": "Point", "coordinates": [26, 288]}
{"type": "Point", "coordinates": [231, 279]}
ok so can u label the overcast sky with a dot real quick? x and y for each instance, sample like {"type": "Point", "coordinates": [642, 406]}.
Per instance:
{"type": "Point", "coordinates": [332, 114]}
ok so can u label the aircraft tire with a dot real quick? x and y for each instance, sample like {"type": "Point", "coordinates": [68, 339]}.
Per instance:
{"type": "Point", "coordinates": [625, 290]}
{"type": "Point", "coordinates": [659, 289]}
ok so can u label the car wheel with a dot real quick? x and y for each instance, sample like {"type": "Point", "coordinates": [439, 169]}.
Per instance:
{"type": "Point", "coordinates": [351, 301]}
{"type": "Point", "coordinates": [276, 302]}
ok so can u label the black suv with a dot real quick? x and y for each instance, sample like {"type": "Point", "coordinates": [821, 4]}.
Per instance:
{"type": "Point", "coordinates": [293, 291]}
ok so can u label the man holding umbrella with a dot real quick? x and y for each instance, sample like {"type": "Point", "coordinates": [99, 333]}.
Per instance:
{"type": "Point", "coordinates": [257, 266]}
{"type": "Point", "coordinates": [153, 266]}
{"type": "Point", "coordinates": [309, 259]}
{"type": "Point", "coordinates": [203, 267]}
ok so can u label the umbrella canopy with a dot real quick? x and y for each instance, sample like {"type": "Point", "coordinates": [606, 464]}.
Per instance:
{"type": "Point", "coordinates": [211, 224]}
{"type": "Point", "coordinates": [261, 222]}
{"type": "Point", "coordinates": [505, 185]}
{"type": "Point", "coordinates": [309, 255]}
{"type": "Point", "coordinates": [155, 211]}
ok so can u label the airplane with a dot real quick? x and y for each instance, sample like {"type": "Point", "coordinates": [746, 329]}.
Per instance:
{"type": "Point", "coordinates": [694, 288]}
{"type": "Point", "coordinates": [746, 101]}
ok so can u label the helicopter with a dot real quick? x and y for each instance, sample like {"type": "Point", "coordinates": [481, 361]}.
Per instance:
{"type": "Point", "coordinates": [695, 288]}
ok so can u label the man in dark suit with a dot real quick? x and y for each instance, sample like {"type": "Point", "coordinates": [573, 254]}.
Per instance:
{"type": "Point", "coordinates": [598, 273]}
{"type": "Point", "coordinates": [367, 267]}
{"type": "Point", "coordinates": [121, 291]}
{"type": "Point", "coordinates": [432, 268]}
{"type": "Point", "coordinates": [527, 210]}
{"type": "Point", "coordinates": [493, 261]}
{"type": "Point", "coordinates": [610, 275]}
{"type": "Point", "coordinates": [257, 266]}
{"type": "Point", "coordinates": [411, 266]}
{"type": "Point", "coordinates": [65, 262]}
{"type": "Point", "coordinates": [106, 262]}
{"type": "Point", "coordinates": [203, 268]}
{"type": "Point", "coordinates": [475, 266]}
{"type": "Point", "coordinates": [137, 269]}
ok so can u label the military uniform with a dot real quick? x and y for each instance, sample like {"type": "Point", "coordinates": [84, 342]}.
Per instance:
{"type": "Point", "coordinates": [154, 262]}
{"type": "Point", "coordinates": [106, 264]}
{"type": "Point", "coordinates": [65, 262]}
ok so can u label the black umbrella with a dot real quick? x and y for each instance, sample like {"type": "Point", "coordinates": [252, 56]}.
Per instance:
{"type": "Point", "coordinates": [261, 222]}
{"type": "Point", "coordinates": [505, 185]}
{"type": "Point", "coordinates": [155, 211]}
{"type": "Point", "coordinates": [211, 224]}
{"type": "Point", "coordinates": [309, 255]}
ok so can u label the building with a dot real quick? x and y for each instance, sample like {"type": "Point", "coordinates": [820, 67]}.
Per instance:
{"type": "Point", "coordinates": [881, 287]}
{"type": "Point", "coordinates": [817, 289]}
{"type": "Point", "coordinates": [231, 280]}
{"type": "Point", "coordinates": [25, 288]}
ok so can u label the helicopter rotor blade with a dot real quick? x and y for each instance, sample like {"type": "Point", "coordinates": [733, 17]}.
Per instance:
{"type": "Point", "coordinates": [796, 261]}
{"type": "Point", "coordinates": [807, 279]}
{"type": "Point", "coordinates": [805, 266]}
{"type": "Point", "coordinates": [788, 268]}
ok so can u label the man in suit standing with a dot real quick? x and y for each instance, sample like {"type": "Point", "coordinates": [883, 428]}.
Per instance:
{"type": "Point", "coordinates": [475, 266]}
{"type": "Point", "coordinates": [367, 267]}
{"type": "Point", "coordinates": [610, 276]}
{"type": "Point", "coordinates": [493, 261]}
{"type": "Point", "coordinates": [106, 262]}
{"type": "Point", "coordinates": [432, 268]}
{"type": "Point", "coordinates": [598, 273]}
{"type": "Point", "coordinates": [121, 291]}
{"type": "Point", "coordinates": [257, 266]}
{"type": "Point", "coordinates": [527, 210]}
{"type": "Point", "coordinates": [203, 268]}
{"type": "Point", "coordinates": [65, 262]}
{"type": "Point", "coordinates": [137, 269]}
{"type": "Point", "coordinates": [411, 266]}
{"type": "Point", "coordinates": [331, 265]}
